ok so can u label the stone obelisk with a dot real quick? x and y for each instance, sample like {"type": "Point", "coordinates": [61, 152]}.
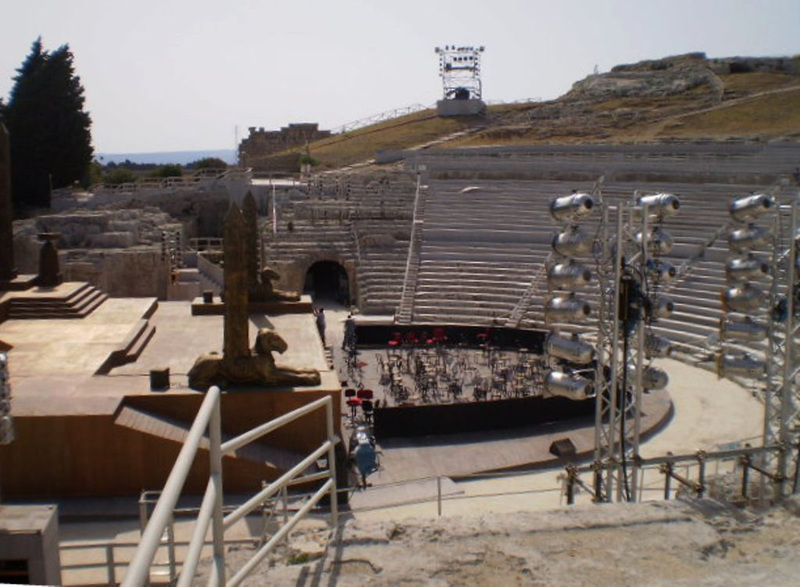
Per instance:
{"type": "Point", "coordinates": [7, 270]}
{"type": "Point", "coordinates": [236, 344]}
{"type": "Point", "coordinates": [250, 213]}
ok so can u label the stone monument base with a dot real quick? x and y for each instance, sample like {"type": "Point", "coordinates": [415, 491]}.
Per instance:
{"type": "Point", "coordinates": [19, 283]}
{"type": "Point", "coordinates": [217, 307]}
{"type": "Point", "coordinates": [448, 108]}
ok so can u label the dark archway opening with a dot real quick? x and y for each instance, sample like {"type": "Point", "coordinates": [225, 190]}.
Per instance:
{"type": "Point", "coordinates": [328, 280]}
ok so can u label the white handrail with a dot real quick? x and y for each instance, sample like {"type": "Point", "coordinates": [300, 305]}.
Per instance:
{"type": "Point", "coordinates": [139, 569]}
{"type": "Point", "coordinates": [211, 508]}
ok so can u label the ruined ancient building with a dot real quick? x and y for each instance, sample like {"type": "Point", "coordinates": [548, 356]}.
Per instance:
{"type": "Point", "coordinates": [261, 143]}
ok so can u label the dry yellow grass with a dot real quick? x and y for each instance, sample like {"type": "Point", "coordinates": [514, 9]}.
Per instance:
{"type": "Point", "coordinates": [693, 114]}
{"type": "Point", "coordinates": [767, 116]}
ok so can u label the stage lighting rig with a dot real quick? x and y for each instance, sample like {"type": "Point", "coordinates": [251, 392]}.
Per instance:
{"type": "Point", "coordinates": [460, 70]}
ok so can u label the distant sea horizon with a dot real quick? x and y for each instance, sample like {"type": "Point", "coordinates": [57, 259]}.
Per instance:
{"type": "Point", "coordinates": [166, 157]}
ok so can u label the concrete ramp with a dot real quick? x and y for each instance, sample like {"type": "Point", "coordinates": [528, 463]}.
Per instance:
{"type": "Point", "coordinates": [176, 431]}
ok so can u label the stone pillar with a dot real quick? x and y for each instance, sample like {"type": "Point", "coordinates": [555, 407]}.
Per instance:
{"type": "Point", "coordinates": [49, 269]}
{"type": "Point", "coordinates": [236, 345]}
{"type": "Point", "coordinates": [7, 270]}
{"type": "Point", "coordinates": [250, 213]}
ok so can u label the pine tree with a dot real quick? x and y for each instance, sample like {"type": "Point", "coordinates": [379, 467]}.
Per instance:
{"type": "Point", "coordinates": [49, 131]}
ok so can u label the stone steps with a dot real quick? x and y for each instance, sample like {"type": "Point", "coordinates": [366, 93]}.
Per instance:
{"type": "Point", "coordinates": [78, 304]}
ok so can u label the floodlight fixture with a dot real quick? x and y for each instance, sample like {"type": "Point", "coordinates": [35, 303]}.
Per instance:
{"type": "Point", "coordinates": [660, 205]}
{"type": "Point", "coordinates": [657, 347]}
{"type": "Point", "coordinates": [750, 207]}
{"type": "Point", "coordinates": [746, 268]}
{"type": "Point", "coordinates": [571, 208]}
{"type": "Point", "coordinates": [566, 309]}
{"type": "Point", "coordinates": [745, 239]}
{"type": "Point", "coordinates": [654, 378]}
{"type": "Point", "coordinates": [742, 327]}
{"type": "Point", "coordinates": [659, 241]}
{"type": "Point", "coordinates": [568, 385]}
{"type": "Point", "coordinates": [571, 349]}
{"type": "Point", "coordinates": [569, 275]}
{"type": "Point", "coordinates": [743, 298]}
{"type": "Point", "coordinates": [740, 365]}
{"type": "Point", "coordinates": [572, 242]}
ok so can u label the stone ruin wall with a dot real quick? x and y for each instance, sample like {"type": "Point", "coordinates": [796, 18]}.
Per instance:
{"type": "Point", "coordinates": [119, 248]}
{"type": "Point", "coordinates": [262, 143]}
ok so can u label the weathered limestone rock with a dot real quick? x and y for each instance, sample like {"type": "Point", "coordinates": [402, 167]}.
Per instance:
{"type": "Point", "coordinates": [7, 267]}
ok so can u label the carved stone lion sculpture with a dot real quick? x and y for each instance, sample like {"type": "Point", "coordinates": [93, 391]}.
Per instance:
{"type": "Point", "coordinates": [257, 369]}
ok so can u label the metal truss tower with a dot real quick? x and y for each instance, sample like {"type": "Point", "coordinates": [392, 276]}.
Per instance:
{"type": "Point", "coordinates": [630, 275]}
{"type": "Point", "coordinates": [753, 315]}
{"type": "Point", "coordinates": [460, 70]}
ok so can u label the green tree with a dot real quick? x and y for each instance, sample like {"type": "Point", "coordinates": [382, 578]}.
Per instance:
{"type": "Point", "coordinates": [169, 170]}
{"type": "Point", "coordinates": [208, 163]}
{"type": "Point", "coordinates": [50, 133]}
{"type": "Point", "coordinates": [120, 175]}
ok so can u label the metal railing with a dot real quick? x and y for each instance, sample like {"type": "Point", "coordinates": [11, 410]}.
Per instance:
{"type": "Point", "coordinates": [211, 512]}
{"type": "Point", "coordinates": [689, 471]}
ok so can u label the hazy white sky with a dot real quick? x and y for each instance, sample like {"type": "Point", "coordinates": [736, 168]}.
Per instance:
{"type": "Point", "coordinates": [183, 74]}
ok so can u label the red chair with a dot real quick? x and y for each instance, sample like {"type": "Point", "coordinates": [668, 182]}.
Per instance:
{"type": "Point", "coordinates": [411, 338]}
{"type": "Point", "coordinates": [396, 340]}
{"type": "Point", "coordinates": [349, 392]}
{"type": "Point", "coordinates": [439, 335]}
{"type": "Point", "coordinates": [365, 394]}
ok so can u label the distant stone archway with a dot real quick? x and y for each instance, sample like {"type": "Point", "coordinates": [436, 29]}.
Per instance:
{"type": "Point", "coordinates": [328, 280]}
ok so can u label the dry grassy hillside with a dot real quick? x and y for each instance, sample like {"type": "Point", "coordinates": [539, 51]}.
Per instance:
{"type": "Point", "coordinates": [680, 98]}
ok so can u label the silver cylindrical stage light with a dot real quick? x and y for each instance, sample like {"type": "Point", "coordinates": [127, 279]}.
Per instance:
{"type": "Point", "coordinates": [656, 347]}
{"type": "Point", "coordinates": [568, 275]}
{"type": "Point", "coordinates": [741, 327]}
{"type": "Point", "coordinates": [746, 239]}
{"type": "Point", "coordinates": [572, 207]}
{"type": "Point", "coordinates": [572, 242]}
{"type": "Point", "coordinates": [729, 365]}
{"type": "Point", "coordinates": [661, 271]}
{"type": "Point", "coordinates": [746, 269]}
{"type": "Point", "coordinates": [660, 307]}
{"type": "Point", "coordinates": [750, 207]}
{"type": "Point", "coordinates": [571, 349]}
{"type": "Point", "coordinates": [660, 205]}
{"type": "Point", "coordinates": [743, 298]}
{"type": "Point", "coordinates": [654, 378]}
{"type": "Point", "coordinates": [566, 309]}
{"type": "Point", "coordinates": [570, 386]}
{"type": "Point", "coordinates": [659, 241]}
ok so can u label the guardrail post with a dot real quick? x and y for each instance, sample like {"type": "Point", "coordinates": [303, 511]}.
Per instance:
{"type": "Point", "coordinates": [780, 480]}
{"type": "Point", "coordinates": [215, 469]}
{"type": "Point", "coordinates": [332, 464]}
{"type": "Point", "coordinates": [572, 473]}
{"type": "Point", "coordinates": [285, 508]}
{"type": "Point", "coordinates": [745, 462]}
{"type": "Point", "coordinates": [171, 549]}
{"type": "Point", "coordinates": [111, 566]}
{"type": "Point", "coordinates": [666, 469]}
{"type": "Point", "coordinates": [597, 468]}
{"type": "Point", "coordinates": [701, 467]}
{"type": "Point", "coordinates": [796, 483]}
{"type": "Point", "coordinates": [439, 494]}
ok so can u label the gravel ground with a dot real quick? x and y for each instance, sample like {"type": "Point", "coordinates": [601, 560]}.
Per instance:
{"type": "Point", "coordinates": [701, 542]}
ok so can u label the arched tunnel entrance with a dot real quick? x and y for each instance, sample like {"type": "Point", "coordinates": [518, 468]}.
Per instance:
{"type": "Point", "coordinates": [328, 280]}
